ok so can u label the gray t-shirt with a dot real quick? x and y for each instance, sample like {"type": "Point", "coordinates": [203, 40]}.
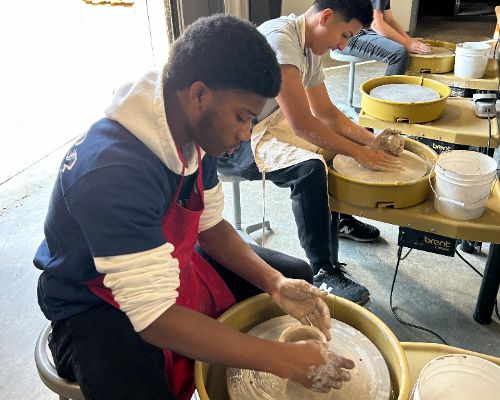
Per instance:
{"type": "Point", "coordinates": [284, 34]}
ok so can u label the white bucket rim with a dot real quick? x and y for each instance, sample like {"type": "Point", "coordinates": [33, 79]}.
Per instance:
{"type": "Point", "coordinates": [478, 46]}
{"type": "Point", "coordinates": [467, 181]}
{"type": "Point", "coordinates": [477, 363]}
{"type": "Point", "coordinates": [472, 156]}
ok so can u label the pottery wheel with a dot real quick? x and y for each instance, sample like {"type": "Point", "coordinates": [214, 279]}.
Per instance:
{"type": "Point", "coordinates": [369, 379]}
{"type": "Point", "coordinates": [414, 167]}
{"type": "Point", "coordinates": [404, 93]}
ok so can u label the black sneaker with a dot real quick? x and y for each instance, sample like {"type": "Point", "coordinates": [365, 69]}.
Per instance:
{"type": "Point", "coordinates": [335, 281]}
{"type": "Point", "coordinates": [351, 228]}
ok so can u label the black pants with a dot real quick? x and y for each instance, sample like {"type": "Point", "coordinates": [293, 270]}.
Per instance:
{"type": "Point", "coordinates": [100, 350]}
{"type": "Point", "coordinates": [309, 194]}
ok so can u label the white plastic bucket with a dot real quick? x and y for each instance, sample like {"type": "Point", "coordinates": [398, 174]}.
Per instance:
{"type": "Point", "coordinates": [471, 59]}
{"type": "Point", "coordinates": [463, 183]}
{"type": "Point", "coordinates": [458, 377]}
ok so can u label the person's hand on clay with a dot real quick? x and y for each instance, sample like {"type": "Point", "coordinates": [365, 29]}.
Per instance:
{"type": "Point", "coordinates": [377, 160]}
{"type": "Point", "coordinates": [415, 46]}
{"type": "Point", "coordinates": [318, 368]}
{"type": "Point", "coordinates": [390, 141]}
{"type": "Point", "coordinates": [304, 302]}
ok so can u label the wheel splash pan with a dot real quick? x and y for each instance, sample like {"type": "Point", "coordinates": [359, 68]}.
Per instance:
{"type": "Point", "coordinates": [433, 64]}
{"type": "Point", "coordinates": [211, 378]}
{"type": "Point", "coordinates": [397, 194]}
{"type": "Point", "coordinates": [392, 111]}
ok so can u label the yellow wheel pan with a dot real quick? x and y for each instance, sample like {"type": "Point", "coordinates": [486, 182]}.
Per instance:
{"type": "Point", "coordinates": [397, 195]}
{"type": "Point", "coordinates": [211, 379]}
{"type": "Point", "coordinates": [433, 64]}
{"type": "Point", "coordinates": [393, 111]}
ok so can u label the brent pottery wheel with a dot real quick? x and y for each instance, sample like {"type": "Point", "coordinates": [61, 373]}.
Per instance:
{"type": "Point", "coordinates": [440, 61]}
{"type": "Point", "coordinates": [394, 111]}
{"type": "Point", "coordinates": [210, 379]}
{"type": "Point", "coordinates": [369, 380]}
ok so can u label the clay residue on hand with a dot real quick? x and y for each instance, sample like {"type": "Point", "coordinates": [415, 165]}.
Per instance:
{"type": "Point", "coordinates": [332, 373]}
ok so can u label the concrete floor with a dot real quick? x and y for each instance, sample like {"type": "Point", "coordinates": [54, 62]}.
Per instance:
{"type": "Point", "coordinates": [435, 291]}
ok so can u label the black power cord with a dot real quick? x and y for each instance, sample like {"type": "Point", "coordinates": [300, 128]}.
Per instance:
{"type": "Point", "coordinates": [400, 251]}
{"type": "Point", "coordinates": [400, 258]}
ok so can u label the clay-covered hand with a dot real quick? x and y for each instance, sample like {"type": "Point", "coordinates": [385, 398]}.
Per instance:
{"type": "Point", "coordinates": [415, 46]}
{"type": "Point", "coordinates": [318, 368]}
{"type": "Point", "coordinates": [332, 373]}
{"type": "Point", "coordinates": [377, 160]}
{"type": "Point", "coordinates": [304, 302]}
{"type": "Point", "coordinates": [390, 141]}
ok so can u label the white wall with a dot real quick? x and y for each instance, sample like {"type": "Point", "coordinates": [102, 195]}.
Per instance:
{"type": "Point", "coordinates": [402, 11]}
{"type": "Point", "coordinates": [400, 8]}
{"type": "Point", "coordinates": [295, 6]}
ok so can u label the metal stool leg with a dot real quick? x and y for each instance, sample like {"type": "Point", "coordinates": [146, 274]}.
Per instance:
{"type": "Point", "coordinates": [350, 93]}
{"type": "Point", "coordinates": [237, 206]}
{"type": "Point", "coordinates": [243, 231]}
{"type": "Point", "coordinates": [334, 238]}
{"type": "Point", "coordinates": [349, 110]}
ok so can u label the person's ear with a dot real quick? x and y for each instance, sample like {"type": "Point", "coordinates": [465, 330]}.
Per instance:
{"type": "Point", "coordinates": [325, 15]}
{"type": "Point", "coordinates": [199, 95]}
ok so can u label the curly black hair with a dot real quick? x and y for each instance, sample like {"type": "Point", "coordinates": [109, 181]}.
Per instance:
{"type": "Point", "coordinates": [223, 52]}
{"type": "Point", "coordinates": [362, 10]}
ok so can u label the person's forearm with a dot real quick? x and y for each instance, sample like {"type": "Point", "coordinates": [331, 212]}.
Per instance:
{"type": "Point", "coordinates": [386, 30]}
{"type": "Point", "coordinates": [317, 132]}
{"type": "Point", "coordinates": [338, 122]}
{"type": "Point", "coordinates": [223, 244]}
{"type": "Point", "coordinates": [397, 27]}
{"type": "Point", "coordinates": [197, 336]}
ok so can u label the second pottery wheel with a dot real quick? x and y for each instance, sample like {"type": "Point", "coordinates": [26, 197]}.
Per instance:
{"type": "Point", "coordinates": [414, 167]}
{"type": "Point", "coordinates": [404, 93]}
{"type": "Point", "coordinates": [369, 380]}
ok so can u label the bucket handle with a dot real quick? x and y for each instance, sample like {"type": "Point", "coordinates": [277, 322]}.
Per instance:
{"type": "Point", "coordinates": [456, 202]}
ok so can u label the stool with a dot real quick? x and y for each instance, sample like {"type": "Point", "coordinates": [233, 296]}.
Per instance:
{"type": "Point", "coordinates": [348, 109]}
{"type": "Point", "coordinates": [244, 232]}
{"type": "Point", "coordinates": [47, 372]}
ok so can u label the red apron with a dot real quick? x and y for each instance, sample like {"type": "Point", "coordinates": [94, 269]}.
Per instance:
{"type": "Point", "coordinates": [201, 288]}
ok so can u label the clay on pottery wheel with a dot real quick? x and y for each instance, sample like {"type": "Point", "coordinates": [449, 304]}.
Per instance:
{"type": "Point", "coordinates": [389, 141]}
{"type": "Point", "coordinates": [438, 51]}
{"type": "Point", "coordinates": [296, 333]}
{"type": "Point", "coordinates": [369, 379]}
{"type": "Point", "coordinates": [413, 167]}
{"type": "Point", "coordinates": [404, 93]}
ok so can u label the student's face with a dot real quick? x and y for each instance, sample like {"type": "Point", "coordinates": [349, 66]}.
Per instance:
{"type": "Point", "coordinates": [334, 32]}
{"type": "Point", "coordinates": [226, 120]}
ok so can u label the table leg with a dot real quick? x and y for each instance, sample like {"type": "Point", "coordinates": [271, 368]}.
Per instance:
{"type": "Point", "coordinates": [334, 238]}
{"type": "Point", "coordinates": [489, 286]}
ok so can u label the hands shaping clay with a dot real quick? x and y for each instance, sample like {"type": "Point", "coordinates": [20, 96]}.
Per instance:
{"type": "Point", "coordinates": [304, 302]}
{"type": "Point", "coordinates": [389, 141]}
